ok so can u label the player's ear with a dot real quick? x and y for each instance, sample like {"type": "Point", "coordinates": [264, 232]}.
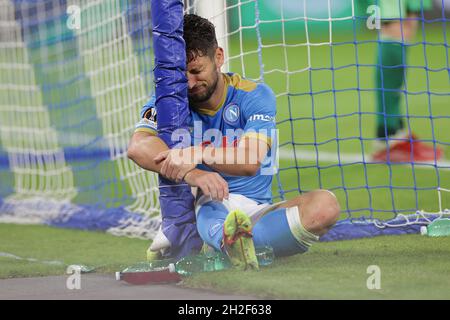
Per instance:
{"type": "Point", "coordinates": [219, 58]}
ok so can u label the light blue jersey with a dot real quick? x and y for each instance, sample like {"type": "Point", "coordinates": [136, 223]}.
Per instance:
{"type": "Point", "coordinates": [247, 109]}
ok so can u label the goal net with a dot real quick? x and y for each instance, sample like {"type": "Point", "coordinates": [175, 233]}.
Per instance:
{"type": "Point", "coordinates": [75, 73]}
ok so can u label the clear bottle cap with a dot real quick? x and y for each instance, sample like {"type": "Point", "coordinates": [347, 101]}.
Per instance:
{"type": "Point", "coordinates": [423, 230]}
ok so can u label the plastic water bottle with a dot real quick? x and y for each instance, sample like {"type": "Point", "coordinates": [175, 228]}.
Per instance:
{"type": "Point", "coordinates": [158, 271]}
{"type": "Point", "coordinates": [138, 267]}
{"type": "Point", "coordinates": [218, 261]}
{"type": "Point", "coordinates": [438, 228]}
{"type": "Point", "coordinates": [161, 264]}
{"type": "Point", "coordinates": [202, 263]}
{"type": "Point", "coordinates": [264, 255]}
{"type": "Point", "coordinates": [157, 265]}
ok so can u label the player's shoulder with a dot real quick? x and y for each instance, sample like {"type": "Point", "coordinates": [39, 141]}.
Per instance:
{"type": "Point", "coordinates": [248, 86]}
{"type": "Point", "coordinates": [236, 81]}
{"type": "Point", "coordinates": [252, 94]}
{"type": "Point", "coordinates": [263, 91]}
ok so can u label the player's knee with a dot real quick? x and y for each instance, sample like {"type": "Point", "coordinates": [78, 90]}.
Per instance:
{"type": "Point", "coordinates": [321, 212]}
{"type": "Point", "coordinates": [328, 208]}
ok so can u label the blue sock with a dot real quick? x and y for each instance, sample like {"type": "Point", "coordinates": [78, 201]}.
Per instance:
{"type": "Point", "coordinates": [273, 230]}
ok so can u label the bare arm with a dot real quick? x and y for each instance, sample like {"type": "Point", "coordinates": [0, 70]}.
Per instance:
{"type": "Point", "coordinates": [243, 160]}
{"type": "Point", "coordinates": [143, 148]}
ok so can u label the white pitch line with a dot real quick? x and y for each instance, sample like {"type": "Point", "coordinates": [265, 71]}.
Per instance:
{"type": "Point", "coordinates": [12, 256]}
{"type": "Point", "coordinates": [345, 158]}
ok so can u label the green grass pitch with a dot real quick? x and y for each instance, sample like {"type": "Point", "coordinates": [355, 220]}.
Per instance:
{"type": "Point", "coordinates": [412, 267]}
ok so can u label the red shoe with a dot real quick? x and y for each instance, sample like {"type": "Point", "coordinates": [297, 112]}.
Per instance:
{"type": "Point", "coordinates": [408, 149]}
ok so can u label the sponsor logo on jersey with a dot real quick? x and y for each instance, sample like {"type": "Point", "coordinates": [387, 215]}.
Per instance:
{"type": "Point", "coordinates": [261, 117]}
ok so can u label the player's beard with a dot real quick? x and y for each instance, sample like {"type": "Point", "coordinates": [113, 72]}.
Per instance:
{"type": "Point", "coordinates": [200, 98]}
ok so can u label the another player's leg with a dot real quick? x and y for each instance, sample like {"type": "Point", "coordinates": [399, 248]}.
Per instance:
{"type": "Point", "coordinates": [395, 143]}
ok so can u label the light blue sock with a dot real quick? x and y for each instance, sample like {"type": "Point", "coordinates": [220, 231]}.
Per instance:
{"type": "Point", "coordinates": [274, 230]}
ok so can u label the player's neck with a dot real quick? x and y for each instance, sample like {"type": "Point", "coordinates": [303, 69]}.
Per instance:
{"type": "Point", "coordinates": [213, 103]}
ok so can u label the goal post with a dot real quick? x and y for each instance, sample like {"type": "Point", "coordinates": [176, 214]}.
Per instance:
{"type": "Point", "coordinates": [216, 12]}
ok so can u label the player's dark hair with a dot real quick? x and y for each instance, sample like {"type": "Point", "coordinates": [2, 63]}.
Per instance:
{"type": "Point", "coordinates": [200, 37]}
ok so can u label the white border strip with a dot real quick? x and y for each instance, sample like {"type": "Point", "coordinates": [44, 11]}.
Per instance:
{"type": "Point", "coordinates": [12, 256]}
{"type": "Point", "coordinates": [344, 158]}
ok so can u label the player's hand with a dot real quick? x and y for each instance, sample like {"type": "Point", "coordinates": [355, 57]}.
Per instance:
{"type": "Point", "coordinates": [211, 183]}
{"type": "Point", "coordinates": [178, 162]}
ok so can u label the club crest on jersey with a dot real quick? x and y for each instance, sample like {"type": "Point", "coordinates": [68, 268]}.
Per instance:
{"type": "Point", "coordinates": [231, 114]}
